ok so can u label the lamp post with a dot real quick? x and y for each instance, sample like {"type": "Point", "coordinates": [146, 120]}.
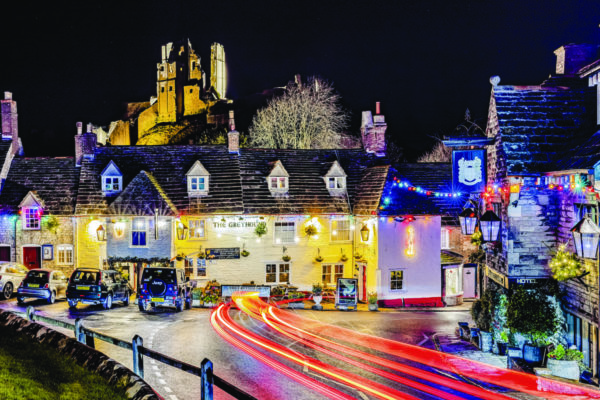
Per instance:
{"type": "Point", "coordinates": [585, 236]}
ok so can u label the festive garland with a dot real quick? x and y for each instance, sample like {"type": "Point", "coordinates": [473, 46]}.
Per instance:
{"type": "Point", "coordinates": [565, 265]}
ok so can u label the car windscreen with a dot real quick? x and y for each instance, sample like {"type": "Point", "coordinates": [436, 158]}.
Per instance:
{"type": "Point", "coordinates": [37, 277]}
{"type": "Point", "coordinates": [85, 277]}
{"type": "Point", "coordinates": [166, 275]}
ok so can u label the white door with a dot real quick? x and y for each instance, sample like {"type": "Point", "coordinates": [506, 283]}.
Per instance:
{"type": "Point", "coordinates": [469, 281]}
{"type": "Point", "coordinates": [362, 281]}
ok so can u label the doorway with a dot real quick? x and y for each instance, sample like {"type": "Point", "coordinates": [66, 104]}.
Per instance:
{"type": "Point", "coordinates": [32, 257]}
{"type": "Point", "coordinates": [362, 281]}
{"type": "Point", "coordinates": [470, 281]}
{"type": "Point", "coordinates": [4, 253]}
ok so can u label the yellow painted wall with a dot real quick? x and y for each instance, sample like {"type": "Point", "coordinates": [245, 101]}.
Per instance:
{"type": "Point", "coordinates": [89, 249]}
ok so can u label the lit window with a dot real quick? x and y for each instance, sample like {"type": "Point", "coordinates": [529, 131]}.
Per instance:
{"type": "Point", "coordinates": [139, 228]}
{"type": "Point", "coordinates": [331, 273]}
{"type": "Point", "coordinates": [277, 273]}
{"type": "Point", "coordinates": [196, 228]}
{"type": "Point", "coordinates": [112, 179]}
{"type": "Point", "coordinates": [197, 184]}
{"type": "Point", "coordinates": [445, 238]}
{"type": "Point", "coordinates": [279, 183]}
{"type": "Point", "coordinates": [396, 278]}
{"type": "Point", "coordinates": [340, 230]}
{"type": "Point", "coordinates": [112, 184]}
{"type": "Point", "coordinates": [336, 182]}
{"type": "Point", "coordinates": [65, 254]}
{"type": "Point", "coordinates": [31, 217]}
{"type": "Point", "coordinates": [285, 232]}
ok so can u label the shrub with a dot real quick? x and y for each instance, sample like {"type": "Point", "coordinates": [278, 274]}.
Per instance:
{"type": "Point", "coordinates": [482, 311]}
{"type": "Point", "coordinates": [372, 297]}
{"type": "Point", "coordinates": [317, 289]}
{"type": "Point", "coordinates": [197, 294]}
{"type": "Point", "coordinates": [529, 311]}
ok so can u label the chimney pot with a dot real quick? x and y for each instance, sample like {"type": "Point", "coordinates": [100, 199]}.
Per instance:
{"type": "Point", "coordinates": [79, 127]}
{"type": "Point", "coordinates": [377, 108]}
{"type": "Point", "coordinates": [89, 127]}
{"type": "Point", "coordinates": [7, 95]}
{"type": "Point", "coordinates": [231, 120]}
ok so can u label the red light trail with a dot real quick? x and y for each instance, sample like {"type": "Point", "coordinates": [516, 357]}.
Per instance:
{"type": "Point", "coordinates": [326, 339]}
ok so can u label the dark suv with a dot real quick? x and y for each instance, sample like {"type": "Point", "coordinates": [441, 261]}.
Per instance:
{"type": "Point", "coordinates": [164, 287]}
{"type": "Point", "coordinates": [93, 286]}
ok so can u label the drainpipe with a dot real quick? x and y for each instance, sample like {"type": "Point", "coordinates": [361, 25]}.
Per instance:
{"type": "Point", "coordinates": [15, 238]}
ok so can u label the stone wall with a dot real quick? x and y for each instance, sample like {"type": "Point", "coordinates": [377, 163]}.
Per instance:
{"type": "Point", "coordinates": [93, 360]}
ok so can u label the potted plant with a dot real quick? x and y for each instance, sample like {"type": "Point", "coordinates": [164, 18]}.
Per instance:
{"type": "Point", "coordinates": [261, 229]}
{"type": "Point", "coordinates": [481, 311]}
{"type": "Point", "coordinates": [196, 297]}
{"type": "Point", "coordinates": [343, 258]}
{"type": "Point", "coordinates": [318, 258]}
{"type": "Point", "coordinates": [317, 291]}
{"type": "Point", "coordinates": [244, 252]}
{"type": "Point", "coordinates": [180, 257]}
{"type": "Point", "coordinates": [502, 343]}
{"type": "Point", "coordinates": [277, 293]}
{"type": "Point", "coordinates": [372, 297]}
{"type": "Point", "coordinates": [210, 299]}
{"type": "Point", "coordinates": [565, 363]}
{"type": "Point", "coordinates": [296, 302]}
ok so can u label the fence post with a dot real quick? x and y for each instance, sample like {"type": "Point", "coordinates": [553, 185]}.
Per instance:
{"type": "Point", "coordinates": [138, 360]}
{"type": "Point", "coordinates": [30, 313]}
{"type": "Point", "coordinates": [79, 335]}
{"type": "Point", "coordinates": [206, 380]}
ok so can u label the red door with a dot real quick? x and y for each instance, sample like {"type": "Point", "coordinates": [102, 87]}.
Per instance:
{"type": "Point", "coordinates": [31, 257]}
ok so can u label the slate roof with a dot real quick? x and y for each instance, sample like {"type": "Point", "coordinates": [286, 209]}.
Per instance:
{"type": "Point", "coordinates": [435, 177]}
{"type": "Point", "coordinates": [583, 156]}
{"type": "Point", "coordinates": [166, 166]}
{"type": "Point", "coordinates": [55, 180]}
{"type": "Point", "coordinates": [142, 197]}
{"type": "Point", "coordinates": [307, 192]}
{"type": "Point", "coordinates": [4, 146]}
{"type": "Point", "coordinates": [537, 123]}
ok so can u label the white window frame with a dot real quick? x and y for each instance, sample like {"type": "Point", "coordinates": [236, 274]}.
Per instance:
{"type": "Point", "coordinates": [108, 184]}
{"type": "Point", "coordinates": [335, 271]}
{"type": "Point", "coordinates": [278, 271]}
{"type": "Point", "coordinates": [445, 239]}
{"type": "Point", "coordinates": [31, 218]}
{"type": "Point", "coordinates": [134, 228]}
{"type": "Point", "coordinates": [278, 183]}
{"type": "Point", "coordinates": [195, 229]}
{"type": "Point", "coordinates": [391, 271]}
{"type": "Point", "coordinates": [196, 178]}
{"type": "Point", "coordinates": [339, 182]}
{"type": "Point", "coordinates": [277, 233]}
{"type": "Point", "coordinates": [336, 237]}
{"type": "Point", "coordinates": [64, 254]}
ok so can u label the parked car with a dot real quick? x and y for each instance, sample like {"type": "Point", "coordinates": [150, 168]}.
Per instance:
{"type": "Point", "coordinates": [93, 286]}
{"type": "Point", "coordinates": [43, 284]}
{"type": "Point", "coordinates": [164, 287]}
{"type": "Point", "coordinates": [11, 275]}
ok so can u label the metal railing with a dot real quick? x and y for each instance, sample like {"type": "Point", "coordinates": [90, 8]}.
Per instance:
{"type": "Point", "coordinates": [87, 336]}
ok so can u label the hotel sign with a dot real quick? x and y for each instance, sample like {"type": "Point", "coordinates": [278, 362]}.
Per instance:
{"type": "Point", "coordinates": [496, 277]}
{"type": "Point", "coordinates": [468, 171]}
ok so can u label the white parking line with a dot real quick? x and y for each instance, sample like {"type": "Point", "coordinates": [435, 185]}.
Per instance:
{"type": "Point", "coordinates": [168, 389]}
{"type": "Point", "coordinates": [162, 381]}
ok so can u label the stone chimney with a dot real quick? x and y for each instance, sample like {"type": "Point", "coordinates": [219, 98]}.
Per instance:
{"type": "Point", "coordinates": [233, 136]}
{"type": "Point", "coordinates": [10, 126]}
{"type": "Point", "coordinates": [85, 144]}
{"type": "Point", "coordinates": [571, 58]}
{"type": "Point", "coordinates": [372, 130]}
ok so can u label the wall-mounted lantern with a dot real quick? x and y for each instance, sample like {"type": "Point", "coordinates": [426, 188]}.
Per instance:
{"type": "Point", "coordinates": [468, 221]}
{"type": "Point", "coordinates": [490, 226]}
{"type": "Point", "coordinates": [365, 233]}
{"type": "Point", "coordinates": [181, 231]}
{"type": "Point", "coordinates": [585, 236]}
{"type": "Point", "coordinates": [101, 233]}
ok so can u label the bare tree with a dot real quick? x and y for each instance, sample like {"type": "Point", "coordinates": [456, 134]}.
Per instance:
{"type": "Point", "coordinates": [306, 116]}
{"type": "Point", "coordinates": [439, 153]}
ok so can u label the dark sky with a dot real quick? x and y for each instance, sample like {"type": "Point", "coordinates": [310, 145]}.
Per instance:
{"type": "Point", "coordinates": [426, 61]}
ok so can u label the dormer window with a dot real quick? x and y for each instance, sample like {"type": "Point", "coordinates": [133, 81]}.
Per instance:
{"type": "Point", "coordinates": [278, 179]}
{"type": "Point", "coordinates": [197, 180]}
{"type": "Point", "coordinates": [31, 212]}
{"type": "Point", "coordinates": [335, 179]}
{"type": "Point", "coordinates": [112, 179]}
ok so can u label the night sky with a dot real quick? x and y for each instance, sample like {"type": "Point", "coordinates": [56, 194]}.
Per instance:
{"type": "Point", "coordinates": [425, 61]}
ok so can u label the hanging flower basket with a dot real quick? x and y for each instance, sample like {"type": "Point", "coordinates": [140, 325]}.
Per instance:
{"type": "Point", "coordinates": [310, 230]}
{"type": "Point", "coordinates": [245, 253]}
{"type": "Point", "coordinates": [358, 256]}
{"type": "Point", "coordinates": [286, 258]}
{"type": "Point", "coordinates": [261, 229]}
{"type": "Point", "coordinates": [319, 259]}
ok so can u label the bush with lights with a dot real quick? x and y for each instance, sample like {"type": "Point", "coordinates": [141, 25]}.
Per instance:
{"type": "Point", "coordinates": [565, 265]}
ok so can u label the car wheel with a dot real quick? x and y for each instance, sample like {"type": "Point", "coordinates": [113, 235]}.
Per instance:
{"type": "Point", "coordinates": [126, 299]}
{"type": "Point", "coordinates": [52, 297]}
{"type": "Point", "coordinates": [7, 291]}
{"type": "Point", "coordinates": [21, 300]}
{"type": "Point", "coordinates": [72, 304]}
{"type": "Point", "coordinates": [107, 302]}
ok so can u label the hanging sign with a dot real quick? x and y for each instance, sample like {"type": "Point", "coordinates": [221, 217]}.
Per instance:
{"type": "Point", "coordinates": [468, 171]}
{"type": "Point", "coordinates": [223, 253]}
{"type": "Point", "coordinates": [346, 294]}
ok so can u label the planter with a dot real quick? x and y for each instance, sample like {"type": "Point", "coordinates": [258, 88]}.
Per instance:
{"type": "Point", "coordinates": [196, 303]}
{"type": "Point", "coordinates": [296, 306]}
{"type": "Point", "coordinates": [564, 369]}
{"type": "Point", "coordinates": [373, 307]}
{"type": "Point", "coordinates": [475, 335]}
{"type": "Point", "coordinates": [485, 341]}
{"type": "Point", "coordinates": [317, 299]}
{"type": "Point", "coordinates": [502, 346]}
{"type": "Point", "coordinates": [465, 331]}
{"type": "Point", "coordinates": [513, 351]}
{"type": "Point", "coordinates": [533, 354]}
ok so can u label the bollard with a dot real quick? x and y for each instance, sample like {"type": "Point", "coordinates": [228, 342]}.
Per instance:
{"type": "Point", "coordinates": [138, 360]}
{"type": "Point", "coordinates": [30, 313]}
{"type": "Point", "coordinates": [206, 380]}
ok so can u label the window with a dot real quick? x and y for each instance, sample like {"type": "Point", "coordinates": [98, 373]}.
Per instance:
{"type": "Point", "coordinates": [331, 273]}
{"type": "Point", "coordinates": [197, 184]}
{"type": "Point", "coordinates": [197, 179]}
{"type": "Point", "coordinates": [112, 184]}
{"type": "Point", "coordinates": [277, 273]}
{"type": "Point", "coordinates": [445, 238]}
{"type": "Point", "coordinates": [65, 254]}
{"type": "Point", "coordinates": [31, 217]}
{"type": "Point", "coordinates": [581, 210]}
{"type": "Point", "coordinates": [285, 232]}
{"type": "Point", "coordinates": [340, 230]}
{"type": "Point", "coordinates": [200, 267]}
{"type": "Point", "coordinates": [112, 179]}
{"type": "Point", "coordinates": [279, 183]}
{"type": "Point", "coordinates": [197, 229]}
{"type": "Point", "coordinates": [139, 228]}
{"type": "Point", "coordinates": [396, 278]}
{"type": "Point", "coordinates": [336, 182]}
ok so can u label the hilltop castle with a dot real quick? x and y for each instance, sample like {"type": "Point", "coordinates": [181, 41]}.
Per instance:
{"type": "Point", "coordinates": [182, 91]}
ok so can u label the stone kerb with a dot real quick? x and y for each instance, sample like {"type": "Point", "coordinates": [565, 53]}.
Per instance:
{"type": "Point", "coordinates": [93, 360]}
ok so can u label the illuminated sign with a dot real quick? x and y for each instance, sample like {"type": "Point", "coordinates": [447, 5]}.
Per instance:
{"type": "Point", "coordinates": [468, 171]}
{"type": "Point", "coordinates": [346, 294]}
{"type": "Point", "coordinates": [496, 277]}
{"type": "Point", "coordinates": [410, 241]}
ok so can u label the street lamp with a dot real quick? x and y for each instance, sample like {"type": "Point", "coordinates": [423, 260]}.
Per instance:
{"type": "Point", "coordinates": [468, 221]}
{"type": "Point", "coordinates": [490, 226]}
{"type": "Point", "coordinates": [585, 236]}
{"type": "Point", "coordinates": [101, 233]}
{"type": "Point", "coordinates": [364, 233]}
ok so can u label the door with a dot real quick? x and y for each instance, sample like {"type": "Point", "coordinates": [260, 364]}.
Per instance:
{"type": "Point", "coordinates": [4, 253]}
{"type": "Point", "coordinates": [31, 257]}
{"type": "Point", "coordinates": [362, 281]}
{"type": "Point", "coordinates": [469, 281]}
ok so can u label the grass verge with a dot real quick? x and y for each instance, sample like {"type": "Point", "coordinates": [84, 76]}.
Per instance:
{"type": "Point", "coordinates": [29, 370]}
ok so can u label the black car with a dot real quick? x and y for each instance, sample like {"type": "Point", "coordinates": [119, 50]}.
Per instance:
{"type": "Point", "coordinates": [93, 286]}
{"type": "Point", "coordinates": [164, 287]}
